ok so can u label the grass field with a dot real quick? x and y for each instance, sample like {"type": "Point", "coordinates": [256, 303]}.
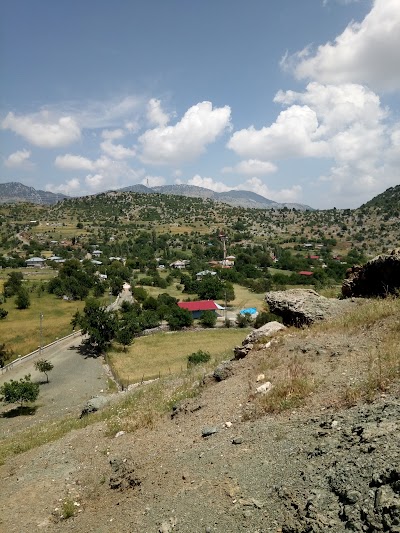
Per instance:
{"type": "Point", "coordinates": [166, 353]}
{"type": "Point", "coordinates": [20, 330]}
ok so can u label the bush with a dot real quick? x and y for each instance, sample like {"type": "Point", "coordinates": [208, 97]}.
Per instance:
{"type": "Point", "coordinates": [208, 319]}
{"type": "Point", "coordinates": [243, 320]}
{"type": "Point", "coordinates": [196, 358]}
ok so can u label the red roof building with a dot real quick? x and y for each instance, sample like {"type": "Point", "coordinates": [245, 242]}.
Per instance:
{"type": "Point", "coordinates": [314, 256]}
{"type": "Point", "coordinates": [197, 308]}
{"type": "Point", "coordinates": [305, 273]}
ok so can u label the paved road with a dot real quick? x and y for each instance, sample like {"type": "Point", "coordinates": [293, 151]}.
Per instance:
{"type": "Point", "coordinates": [73, 380]}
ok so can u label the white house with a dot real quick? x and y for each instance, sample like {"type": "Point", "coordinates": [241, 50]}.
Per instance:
{"type": "Point", "coordinates": [35, 262]}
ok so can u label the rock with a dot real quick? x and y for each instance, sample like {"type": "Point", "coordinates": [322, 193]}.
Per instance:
{"type": "Point", "coordinates": [241, 351]}
{"type": "Point", "coordinates": [94, 404]}
{"type": "Point", "coordinates": [266, 330]}
{"type": "Point", "coordinates": [207, 431]}
{"type": "Point", "coordinates": [299, 307]}
{"type": "Point", "coordinates": [228, 424]}
{"type": "Point", "coordinates": [264, 388]}
{"type": "Point", "coordinates": [237, 440]}
{"type": "Point", "coordinates": [378, 277]}
{"type": "Point", "coordinates": [119, 434]}
{"type": "Point", "coordinates": [260, 377]}
{"type": "Point", "coordinates": [223, 371]}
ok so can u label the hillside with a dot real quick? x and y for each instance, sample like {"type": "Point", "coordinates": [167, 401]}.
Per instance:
{"type": "Point", "coordinates": [238, 198]}
{"type": "Point", "coordinates": [13, 192]}
{"type": "Point", "coordinates": [319, 453]}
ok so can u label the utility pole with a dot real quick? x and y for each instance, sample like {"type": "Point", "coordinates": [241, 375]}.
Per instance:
{"type": "Point", "coordinates": [41, 333]}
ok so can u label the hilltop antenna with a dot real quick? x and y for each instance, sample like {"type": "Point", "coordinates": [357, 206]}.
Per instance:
{"type": "Point", "coordinates": [147, 182]}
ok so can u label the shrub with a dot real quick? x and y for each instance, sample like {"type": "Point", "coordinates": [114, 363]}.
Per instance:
{"type": "Point", "coordinates": [208, 319]}
{"type": "Point", "coordinates": [20, 391]}
{"type": "Point", "coordinates": [196, 358]}
{"type": "Point", "coordinates": [243, 320]}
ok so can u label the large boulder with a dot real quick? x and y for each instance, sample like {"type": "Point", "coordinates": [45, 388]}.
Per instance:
{"type": "Point", "coordinates": [299, 307]}
{"type": "Point", "coordinates": [268, 329]}
{"type": "Point", "coordinates": [378, 277]}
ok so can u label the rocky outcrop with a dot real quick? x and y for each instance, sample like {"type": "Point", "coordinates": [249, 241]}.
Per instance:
{"type": "Point", "coordinates": [379, 277]}
{"type": "Point", "coordinates": [299, 307]}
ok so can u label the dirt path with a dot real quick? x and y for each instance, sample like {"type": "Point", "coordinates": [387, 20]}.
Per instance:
{"type": "Point", "coordinates": [73, 380]}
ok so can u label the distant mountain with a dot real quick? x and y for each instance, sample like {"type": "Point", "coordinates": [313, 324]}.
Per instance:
{"type": "Point", "coordinates": [237, 198]}
{"type": "Point", "coordinates": [14, 192]}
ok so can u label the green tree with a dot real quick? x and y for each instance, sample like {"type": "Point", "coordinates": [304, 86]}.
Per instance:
{"type": "Point", "coordinates": [210, 288]}
{"type": "Point", "coordinates": [179, 318]}
{"type": "Point", "coordinates": [44, 366]}
{"type": "Point", "coordinates": [22, 300]}
{"type": "Point", "coordinates": [100, 324]}
{"type": "Point", "coordinates": [3, 313]}
{"type": "Point", "coordinates": [125, 336]}
{"type": "Point", "coordinates": [19, 391]}
{"type": "Point", "coordinates": [208, 319]}
{"type": "Point", "coordinates": [13, 284]}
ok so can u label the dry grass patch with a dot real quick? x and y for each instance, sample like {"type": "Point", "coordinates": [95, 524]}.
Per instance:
{"type": "Point", "coordinates": [20, 330]}
{"type": "Point", "coordinates": [166, 353]}
{"type": "Point", "coordinates": [364, 315]}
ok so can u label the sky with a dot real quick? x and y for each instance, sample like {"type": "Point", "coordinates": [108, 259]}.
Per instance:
{"type": "Point", "coordinates": [295, 100]}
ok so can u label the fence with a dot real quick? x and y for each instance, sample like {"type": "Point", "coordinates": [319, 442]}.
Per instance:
{"type": "Point", "coordinates": [38, 351]}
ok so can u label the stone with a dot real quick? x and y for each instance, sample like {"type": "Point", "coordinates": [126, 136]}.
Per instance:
{"type": "Point", "coordinates": [267, 330]}
{"type": "Point", "coordinates": [94, 404]}
{"type": "Point", "coordinates": [260, 377]}
{"type": "Point", "coordinates": [264, 388]}
{"type": "Point", "coordinates": [208, 431]}
{"type": "Point", "coordinates": [223, 371]}
{"type": "Point", "coordinates": [237, 440]}
{"type": "Point", "coordinates": [299, 307]}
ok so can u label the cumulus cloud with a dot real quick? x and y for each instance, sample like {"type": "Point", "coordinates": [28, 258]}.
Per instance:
{"type": "Point", "coordinates": [19, 159]}
{"type": "Point", "coordinates": [70, 187]}
{"type": "Point", "coordinates": [293, 134]}
{"type": "Point", "coordinates": [366, 52]}
{"type": "Point", "coordinates": [42, 129]}
{"type": "Point", "coordinates": [104, 173]}
{"type": "Point", "coordinates": [112, 135]}
{"type": "Point", "coordinates": [155, 115]}
{"type": "Point", "coordinates": [173, 145]}
{"type": "Point", "coordinates": [74, 162]}
{"type": "Point", "coordinates": [291, 194]}
{"type": "Point", "coordinates": [117, 151]}
{"type": "Point", "coordinates": [209, 183]}
{"type": "Point", "coordinates": [251, 167]}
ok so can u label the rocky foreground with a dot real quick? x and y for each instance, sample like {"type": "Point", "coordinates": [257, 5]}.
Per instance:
{"type": "Point", "coordinates": [220, 462]}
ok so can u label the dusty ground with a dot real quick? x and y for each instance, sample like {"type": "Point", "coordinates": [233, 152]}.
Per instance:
{"type": "Point", "coordinates": [313, 469]}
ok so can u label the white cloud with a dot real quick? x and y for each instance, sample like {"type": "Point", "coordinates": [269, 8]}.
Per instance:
{"type": "Point", "coordinates": [116, 151]}
{"type": "Point", "coordinates": [294, 134]}
{"type": "Point", "coordinates": [109, 113]}
{"type": "Point", "coordinates": [251, 167]}
{"type": "Point", "coordinates": [366, 52]}
{"type": "Point", "coordinates": [155, 115]}
{"type": "Point", "coordinates": [153, 181]}
{"type": "Point", "coordinates": [173, 145]}
{"type": "Point", "coordinates": [19, 159]}
{"type": "Point", "coordinates": [74, 162]}
{"type": "Point", "coordinates": [112, 135]}
{"type": "Point", "coordinates": [42, 129]}
{"type": "Point", "coordinates": [70, 188]}
{"type": "Point", "coordinates": [292, 194]}
{"type": "Point", "coordinates": [209, 183]}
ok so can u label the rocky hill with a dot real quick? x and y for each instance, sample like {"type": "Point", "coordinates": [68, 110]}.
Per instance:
{"type": "Point", "coordinates": [205, 452]}
{"type": "Point", "coordinates": [237, 198]}
{"type": "Point", "coordinates": [14, 192]}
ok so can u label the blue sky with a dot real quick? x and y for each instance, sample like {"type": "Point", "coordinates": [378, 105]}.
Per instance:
{"type": "Point", "coordinates": [297, 101]}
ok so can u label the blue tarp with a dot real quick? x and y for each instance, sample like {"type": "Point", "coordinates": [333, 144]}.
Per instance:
{"type": "Point", "coordinates": [248, 311]}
